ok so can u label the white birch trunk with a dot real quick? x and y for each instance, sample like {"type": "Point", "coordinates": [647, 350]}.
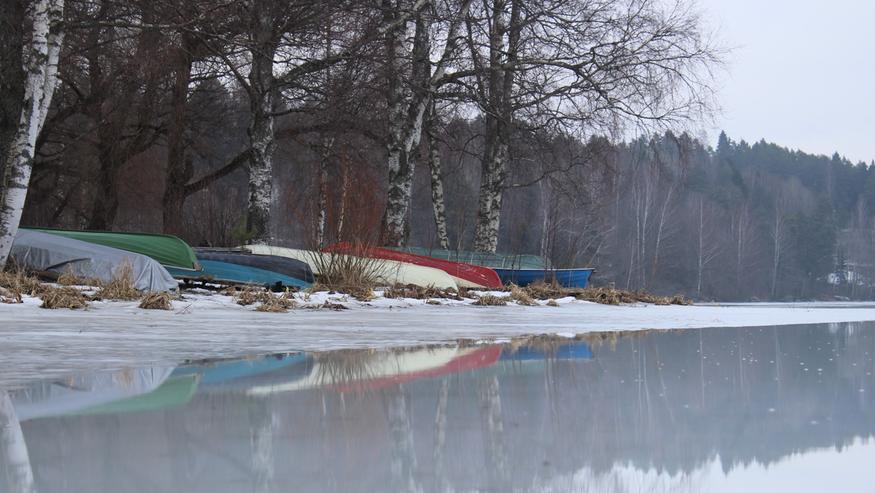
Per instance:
{"type": "Point", "coordinates": [40, 60]}
{"type": "Point", "coordinates": [400, 166]}
{"type": "Point", "coordinates": [503, 45]}
{"type": "Point", "coordinates": [322, 214]}
{"type": "Point", "coordinates": [13, 449]}
{"type": "Point", "coordinates": [261, 126]}
{"type": "Point", "coordinates": [407, 109]}
{"type": "Point", "coordinates": [437, 191]}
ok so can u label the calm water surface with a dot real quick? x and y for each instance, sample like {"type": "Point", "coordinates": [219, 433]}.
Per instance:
{"type": "Point", "coordinates": [743, 409]}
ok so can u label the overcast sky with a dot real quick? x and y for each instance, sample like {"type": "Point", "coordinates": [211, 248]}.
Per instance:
{"type": "Point", "coordinates": [801, 73]}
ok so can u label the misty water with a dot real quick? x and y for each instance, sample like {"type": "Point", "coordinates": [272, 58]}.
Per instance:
{"type": "Point", "coordinates": [787, 408]}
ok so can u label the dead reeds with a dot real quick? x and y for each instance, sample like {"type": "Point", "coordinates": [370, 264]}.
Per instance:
{"type": "Point", "coordinates": [602, 295]}
{"type": "Point", "coordinates": [156, 301]}
{"type": "Point", "coordinates": [62, 297]}
{"type": "Point", "coordinates": [121, 287]}
{"type": "Point", "coordinates": [490, 300]}
{"type": "Point", "coordinates": [419, 293]}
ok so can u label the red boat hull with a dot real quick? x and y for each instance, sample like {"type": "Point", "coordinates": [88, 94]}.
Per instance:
{"type": "Point", "coordinates": [476, 274]}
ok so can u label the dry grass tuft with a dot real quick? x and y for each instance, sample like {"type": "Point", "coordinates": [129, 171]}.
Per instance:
{"type": "Point", "coordinates": [419, 293]}
{"type": "Point", "coordinates": [63, 297]}
{"type": "Point", "coordinates": [121, 287]}
{"type": "Point", "coordinates": [490, 300]}
{"type": "Point", "coordinates": [7, 296]}
{"type": "Point", "coordinates": [605, 296]}
{"type": "Point", "coordinates": [521, 296]}
{"type": "Point", "coordinates": [69, 278]}
{"type": "Point", "coordinates": [19, 283]}
{"type": "Point", "coordinates": [156, 301]}
{"type": "Point", "coordinates": [276, 304]}
{"type": "Point", "coordinates": [250, 295]}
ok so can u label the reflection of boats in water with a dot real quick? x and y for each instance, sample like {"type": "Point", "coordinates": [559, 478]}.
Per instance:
{"type": "Point", "coordinates": [368, 370]}
{"type": "Point", "coordinates": [78, 394]}
{"type": "Point", "coordinates": [655, 411]}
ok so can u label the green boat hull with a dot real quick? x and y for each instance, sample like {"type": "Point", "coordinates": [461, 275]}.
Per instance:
{"type": "Point", "coordinates": [168, 250]}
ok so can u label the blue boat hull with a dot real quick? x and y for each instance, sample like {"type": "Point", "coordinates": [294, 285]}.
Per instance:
{"type": "Point", "coordinates": [224, 272]}
{"type": "Point", "coordinates": [569, 278]}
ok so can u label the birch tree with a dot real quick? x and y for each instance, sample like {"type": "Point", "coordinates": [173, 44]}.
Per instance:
{"type": "Point", "coordinates": [40, 54]}
{"type": "Point", "coordinates": [408, 102]}
{"type": "Point", "coordinates": [587, 65]}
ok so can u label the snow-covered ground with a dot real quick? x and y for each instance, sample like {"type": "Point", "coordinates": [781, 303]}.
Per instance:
{"type": "Point", "coordinates": [39, 343]}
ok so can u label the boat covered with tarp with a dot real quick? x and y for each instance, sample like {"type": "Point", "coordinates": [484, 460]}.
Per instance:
{"type": "Point", "coordinates": [275, 263]}
{"type": "Point", "coordinates": [53, 255]}
{"type": "Point", "coordinates": [168, 250]}
{"type": "Point", "coordinates": [225, 273]}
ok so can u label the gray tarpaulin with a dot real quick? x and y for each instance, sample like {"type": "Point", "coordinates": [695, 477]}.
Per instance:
{"type": "Point", "coordinates": [56, 254]}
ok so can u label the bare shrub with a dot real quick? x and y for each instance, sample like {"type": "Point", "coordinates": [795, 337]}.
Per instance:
{"type": "Point", "coordinates": [355, 274]}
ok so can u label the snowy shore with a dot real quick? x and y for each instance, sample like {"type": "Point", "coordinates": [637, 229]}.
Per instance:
{"type": "Point", "coordinates": [42, 343]}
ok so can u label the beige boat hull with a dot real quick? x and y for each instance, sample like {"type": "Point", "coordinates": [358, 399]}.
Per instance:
{"type": "Point", "coordinates": [389, 272]}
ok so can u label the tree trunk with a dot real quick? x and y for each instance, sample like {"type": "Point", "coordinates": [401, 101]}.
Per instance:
{"type": "Point", "coordinates": [404, 129]}
{"type": "Point", "coordinates": [105, 204]}
{"type": "Point", "coordinates": [437, 190]}
{"type": "Point", "coordinates": [179, 169]}
{"type": "Point", "coordinates": [40, 62]}
{"type": "Point", "coordinates": [261, 128]}
{"type": "Point", "coordinates": [322, 215]}
{"type": "Point", "coordinates": [498, 123]}
{"type": "Point", "coordinates": [492, 178]}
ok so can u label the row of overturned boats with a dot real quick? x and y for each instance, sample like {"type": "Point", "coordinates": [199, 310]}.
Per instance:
{"type": "Point", "coordinates": [158, 262]}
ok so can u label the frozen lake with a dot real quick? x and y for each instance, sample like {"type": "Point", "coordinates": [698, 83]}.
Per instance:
{"type": "Point", "coordinates": [768, 408]}
{"type": "Point", "coordinates": [37, 343]}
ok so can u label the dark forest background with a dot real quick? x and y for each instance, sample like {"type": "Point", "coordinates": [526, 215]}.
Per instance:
{"type": "Point", "coordinates": [153, 128]}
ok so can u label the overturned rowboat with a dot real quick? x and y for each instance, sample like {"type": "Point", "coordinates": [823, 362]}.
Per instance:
{"type": "Point", "coordinates": [387, 272]}
{"type": "Point", "coordinates": [569, 278]}
{"type": "Point", "coordinates": [168, 250]}
{"type": "Point", "coordinates": [274, 263]}
{"type": "Point", "coordinates": [466, 275]}
{"type": "Point", "coordinates": [215, 272]}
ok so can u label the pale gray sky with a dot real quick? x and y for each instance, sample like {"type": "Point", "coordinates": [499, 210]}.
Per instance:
{"type": "Point", "coordinates": [801, 73]}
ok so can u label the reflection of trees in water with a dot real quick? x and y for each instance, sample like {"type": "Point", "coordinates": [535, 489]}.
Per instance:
{"type": "Point", "coordinates": [669, 402]}
{"type": "Point", "coordinates": [14, 459]}
{"type": "Point", "coordinates": [403, 462]}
